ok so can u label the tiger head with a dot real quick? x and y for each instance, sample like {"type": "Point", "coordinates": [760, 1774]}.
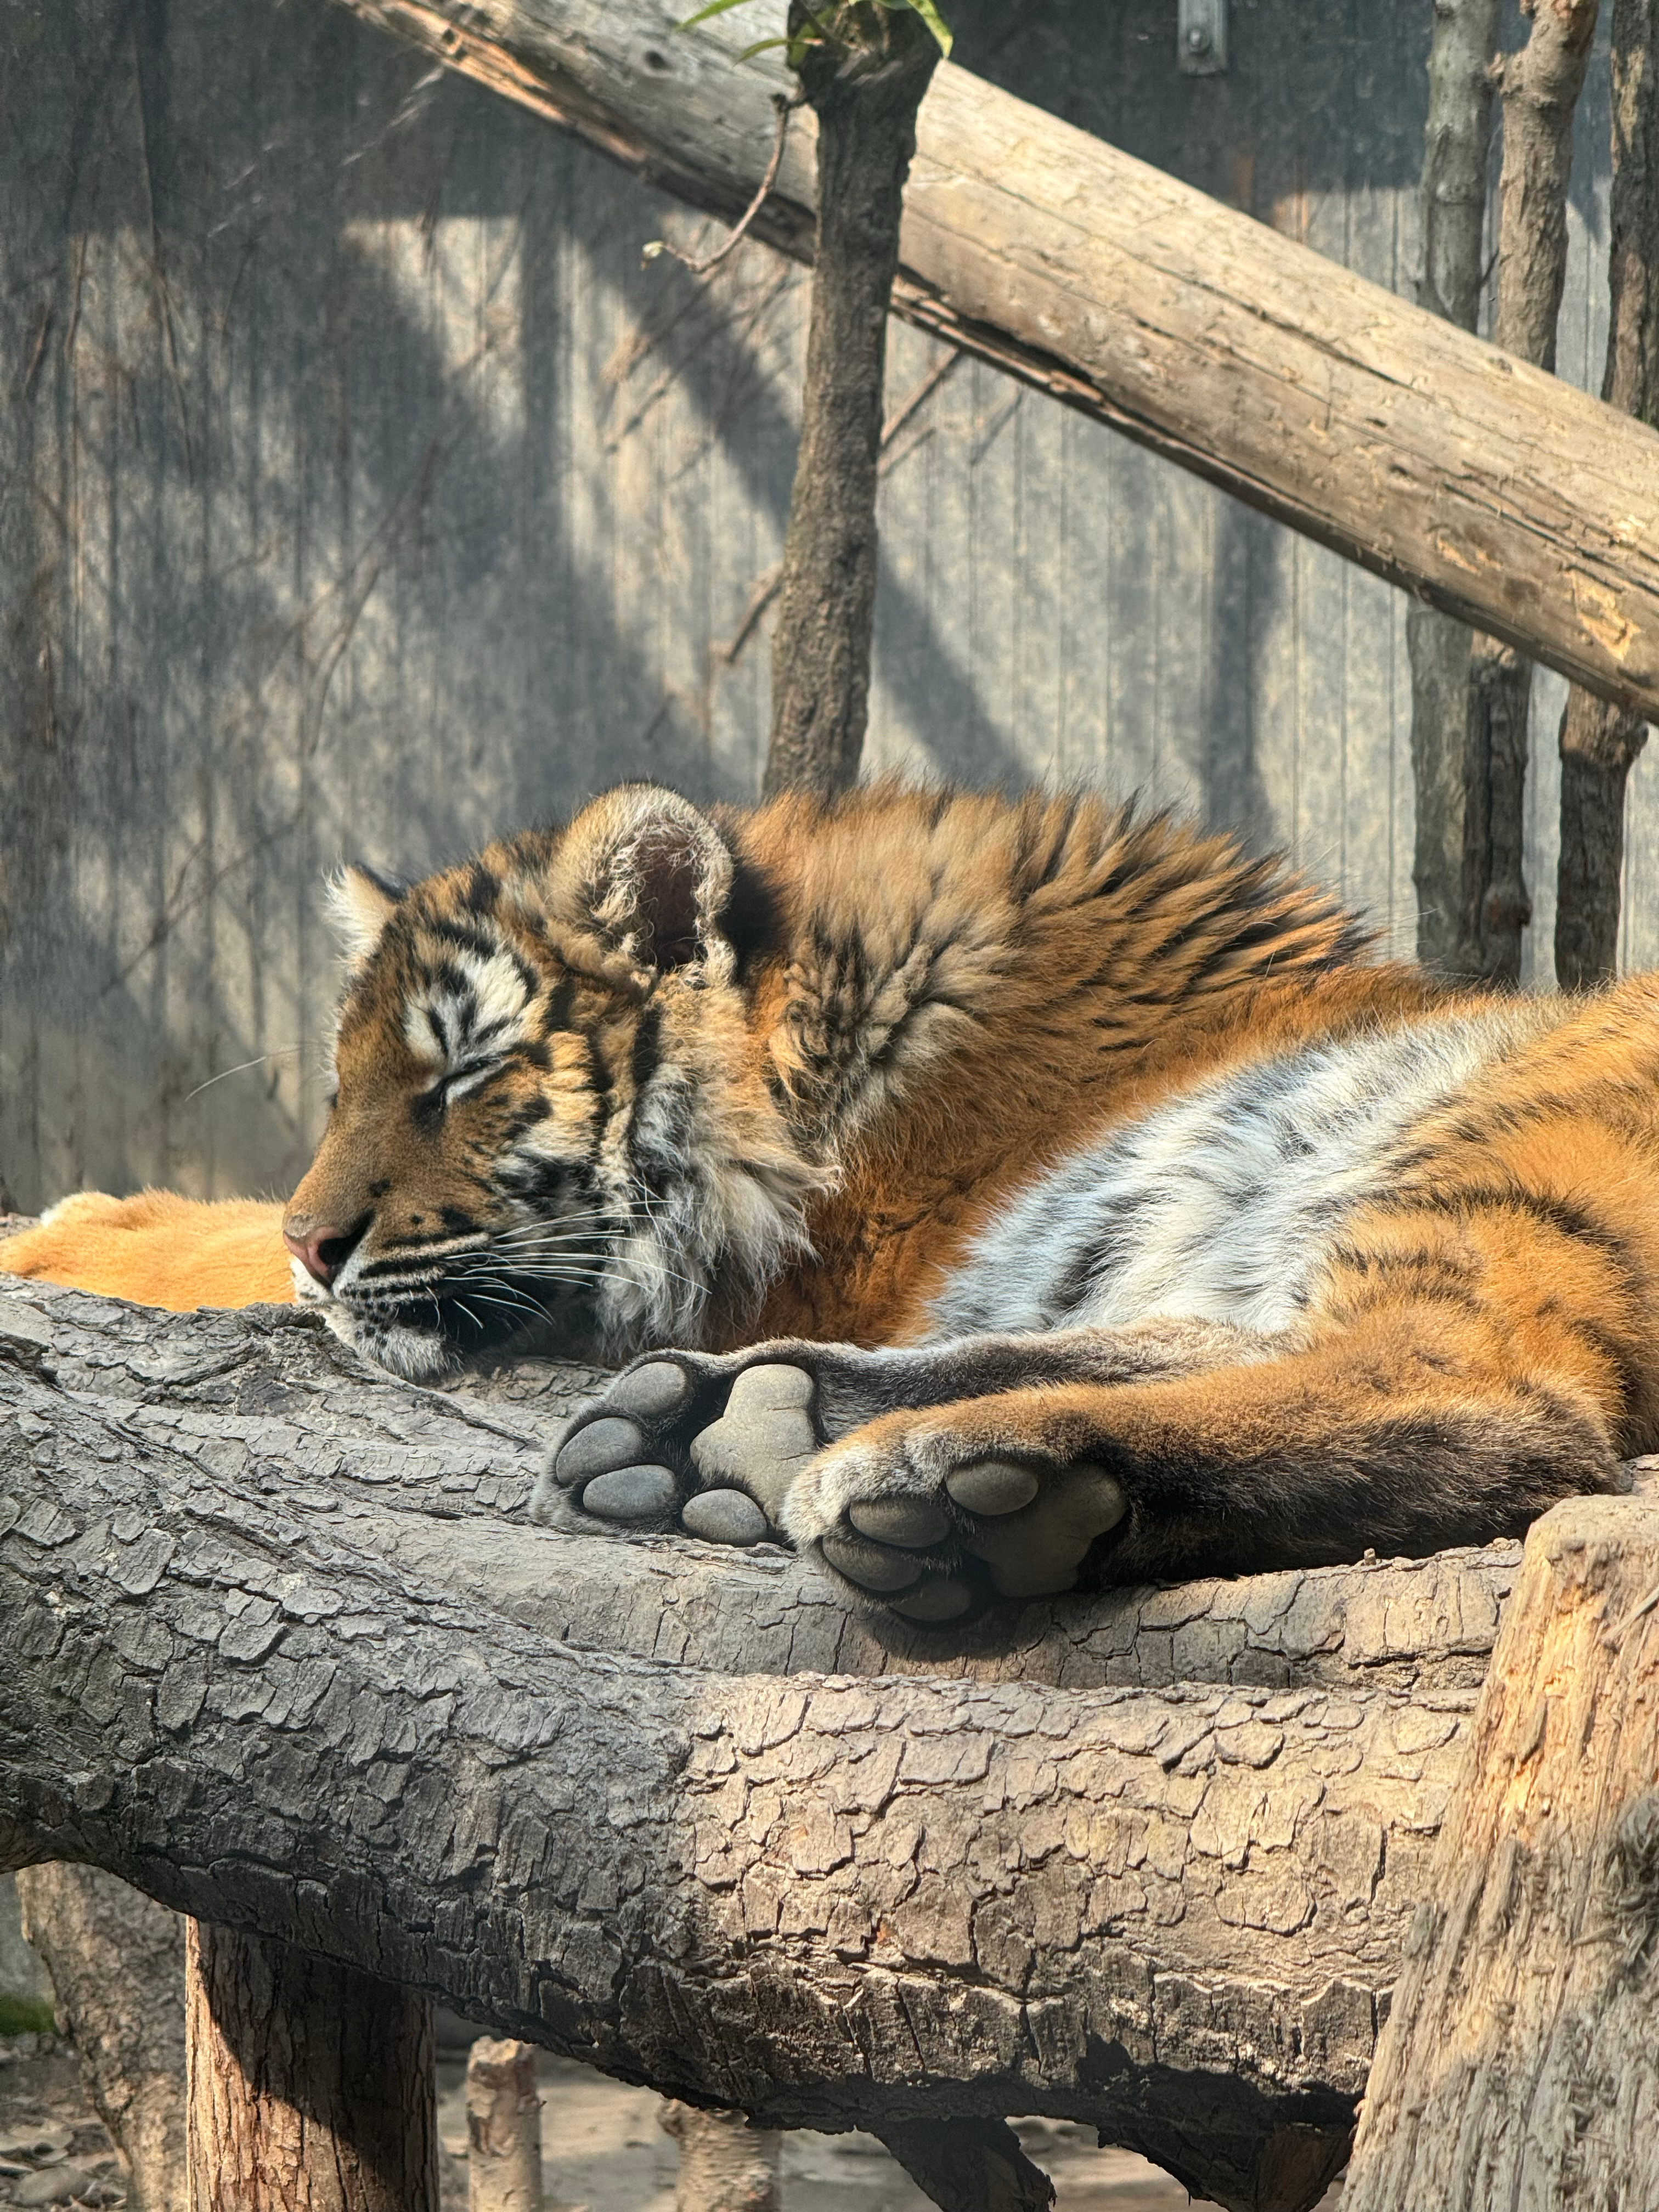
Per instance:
{"type": "Point", "coordinates": [550, 1120]}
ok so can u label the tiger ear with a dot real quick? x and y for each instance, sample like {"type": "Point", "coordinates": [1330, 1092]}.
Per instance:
{"type": "Point", "coordinates": [361, 902]}
{"type": "Point", "coordinates": [649, 875]}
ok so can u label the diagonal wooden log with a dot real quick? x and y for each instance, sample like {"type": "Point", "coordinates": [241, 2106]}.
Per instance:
{"type": "Point", "coordinates": [1524, 508]}
{"type": "Point", "coordinates": [275, 1647]}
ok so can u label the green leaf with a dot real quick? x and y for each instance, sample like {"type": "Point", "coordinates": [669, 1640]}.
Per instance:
{"type": "Point", "coordinates": [715, 7]}
{"type": "Point", "coordinates": [929, 11]}
{"type": "Point", "coordinates": [761, 46]}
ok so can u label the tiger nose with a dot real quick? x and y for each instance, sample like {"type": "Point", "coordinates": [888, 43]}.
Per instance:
{"type": "Point", "coordinates": [320, 1249]}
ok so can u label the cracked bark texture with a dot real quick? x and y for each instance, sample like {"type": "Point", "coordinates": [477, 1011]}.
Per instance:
{"type": "Point", "coordinates": [864, 82]}
{"type": "Point", "coordinates": [1599, 743]}
{"type": "Point", "coordinates": [280, 1649]}
{"type": "Point", "coordinates": [1457, 144]}
{"type": "Point", "coordinates": [1516, 2068]}
{"type": "Point", "coordinates": [1481, 485]}
{"type": "Point", "coordinates": [117, 1963]}
{"type": "Point", "coordinates": [311, 2085]}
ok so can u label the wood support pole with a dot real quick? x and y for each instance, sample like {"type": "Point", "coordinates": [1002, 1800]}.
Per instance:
{"type": "Point", "coordinates": [1456, 142]}
{"type": "Point", "coordinates": [1517, 2067]}
{"type": "Point", "coordinates": [725, 2164]}
{"type": "Point", "coordinates": [1599, 743]}
{"type": "Point", "coordinates": [310, 2084]}
{"type": "Point", "coordinates": [503, 2127]}
{"type": "Point", "coordinates": [117, 1963]}
{"type": "Point", "coordinates": [1539, 86]}
{"type": "Point", "coordinates": [864, 83]}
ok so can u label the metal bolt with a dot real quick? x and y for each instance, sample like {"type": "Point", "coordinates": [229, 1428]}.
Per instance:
{"type": "Point", "coordinates": [1198, 39]}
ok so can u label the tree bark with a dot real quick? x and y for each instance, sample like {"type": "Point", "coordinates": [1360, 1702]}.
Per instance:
{"type": "Point", "coordinates": [311, 2085]}
{"type": "Point", "coordinates": [1481, 485]}
{"type": "Point", "coordinates": [1517, 2066]}
{"type": "Point", "coordinates": [117, 1963]}
{"type": "Point", "coordinates": [1541, 86]}
{"type": "Point", "coordinates": [503, 2128]}
{"type": "Point", "coordinates": [864, 83]}
{"type": "Point", "coordinates": [275, 1647]}
{"type": "Point", "coordinates": [1599, 742]}
{"type": "Point", "coordinates": [725, 2164]}
{"type": "Point", "coordinates": [1457, 146]}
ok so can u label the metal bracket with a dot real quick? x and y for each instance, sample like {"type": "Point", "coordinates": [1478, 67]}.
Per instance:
{"type": "Point", "coordinates": [1201, 37]}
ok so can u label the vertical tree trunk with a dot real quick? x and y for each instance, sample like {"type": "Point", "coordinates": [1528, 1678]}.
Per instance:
{"type": "Point", "coordinates": [865, 81]}
{"type": "Point", "coordinates": [1517, 2067]}
{"type": "Point", "coordinates": [117, 1963]}
{"type": "Point", "coordinates": [725, 2164]}
{"type": "Point", "coordinates": [503, 2128]}
{"type": "Point", "coordinates": [1539, 86]}
{"type": "Point", "coordinates": [1458, 142]}
{"type": "Point", "coordinates": [311, 2085]}
{"type": "Point", "coordinates": [1599, 742]}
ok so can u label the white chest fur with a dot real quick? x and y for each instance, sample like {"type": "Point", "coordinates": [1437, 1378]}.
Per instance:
{"type": "Point", "coordinates": [1223, 1204]}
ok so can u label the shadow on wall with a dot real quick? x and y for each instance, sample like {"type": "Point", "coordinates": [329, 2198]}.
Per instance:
{"type": "Point", "coordinates": [363, 494]}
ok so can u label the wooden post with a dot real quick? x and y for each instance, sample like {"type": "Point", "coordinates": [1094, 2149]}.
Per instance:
{"type": "Point", "coordinates": [1540, 86]}
{"type": "Point", "coordinates": [1517, 2065]}
{"type": "Point", "coordinates": [503, 2128]}
{"type": "Point", "coordinates": [1456, 142]}
{"type": "Point", "coordinates": [310, 2085]}
{"type": "Point", "coordinates": [725, 2164]}
{"type": "Point", "coordinates": [864, 79]}
{"type": "Point", "coordinates": [1599, 742]}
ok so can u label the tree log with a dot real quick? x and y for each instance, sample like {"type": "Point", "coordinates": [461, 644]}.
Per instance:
{"type": "Point", "coordinates": [311, 2085]}
{"type": "Point", "coordinates": [1599, 742]}
{"type": "Point", "coordinates": [1541, 86]}
{"type": "Point", "coordinates": [504, 2128]}
{"type": "Point", "coordinates": [725, 2164]}
{"type": "Point", "coordinates": [1456, 145]}
{"type": "Point", "coordinates": [274, 1647]}
{"type": "Point", "coordinates": [1517, 2067]}
{"type": "Point", "coordinates": [1521, 506]}
{"type": "Point", "coordinates": [865, 81]}
{"type": "Point", "coordinates": [117, 1963]}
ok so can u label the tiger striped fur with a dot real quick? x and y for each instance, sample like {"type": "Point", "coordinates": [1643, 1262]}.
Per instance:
{"type": "Point", "coordinates": [996, 1194]}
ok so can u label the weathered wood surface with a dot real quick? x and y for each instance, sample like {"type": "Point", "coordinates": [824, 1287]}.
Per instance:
{"type": "Point", "coordinates": [311, 2084]}
{"type": "Point", "coordinates": [1487, 488]}
{"type": "Point", "coordinates": [1457, 144]}
{"type": "Point", "coordinates": [1518, 2066]}
{"type": "Point", "coordinates": [272, 1648]}
{"type": "Point", "coordinates": [504, 2130]}
{"type": "Point", "coordinates": [117, 1963]}
{"type": "Point", "coordinates": [1598, 744]}
{"type": "Point", "coordinates": [864, 83]}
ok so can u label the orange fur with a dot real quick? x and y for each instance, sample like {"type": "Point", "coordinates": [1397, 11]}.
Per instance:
{"type": "Point", "coordinates": [159, 1249]}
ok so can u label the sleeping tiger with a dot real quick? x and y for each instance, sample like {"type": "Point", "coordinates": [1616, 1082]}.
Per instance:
{"type": "Point", "coordinates": [994, 1196]}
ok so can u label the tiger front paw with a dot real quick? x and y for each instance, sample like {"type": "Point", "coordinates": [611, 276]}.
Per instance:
{"type": "Point", "coordinates": [709, 1446]}
{"type": "Point", "coordinates": [932, 1520]}
{"type": "Point", "coordinates": [936, 1523]}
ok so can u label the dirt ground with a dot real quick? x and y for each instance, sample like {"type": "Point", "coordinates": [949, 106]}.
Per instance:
{"type": "Point", "coordinates": [603, 2149]}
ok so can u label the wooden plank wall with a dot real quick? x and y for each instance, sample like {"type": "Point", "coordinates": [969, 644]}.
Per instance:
{"type": "Point", "coordinates": [361, 492]}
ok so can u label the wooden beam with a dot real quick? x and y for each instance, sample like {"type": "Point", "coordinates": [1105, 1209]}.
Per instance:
{"type": "Point", "coordinates": [1525, 508]}
{"type": "Point", "coordinates": [278, 1644]}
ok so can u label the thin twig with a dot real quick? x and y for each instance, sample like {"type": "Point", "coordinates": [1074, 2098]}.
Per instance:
{"type": "Point", "coordinates": [765, 590]}
{"type": "Point", "coordinates": [783, 104]}
{"type": "Point", "coordinates": [924, 391]}
{"type": "Point", "coordinates": [33, 369]}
